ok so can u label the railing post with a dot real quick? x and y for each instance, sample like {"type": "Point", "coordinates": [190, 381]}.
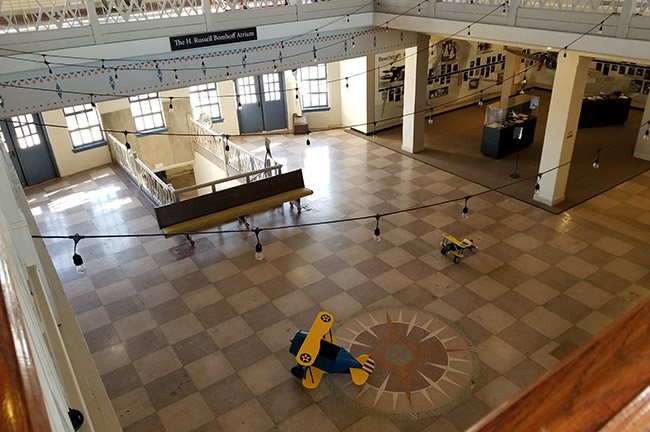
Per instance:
{"type": "Point", "coordinates": [629, 6]}
{"type": "Point", "coordinates": [207, 13]}
{"type": "Point", "coordinates": [138, 176]}
{"type": "Point", "coordinates": [94, 22]}
{"type": "Point", "coordinates": [513, 8]}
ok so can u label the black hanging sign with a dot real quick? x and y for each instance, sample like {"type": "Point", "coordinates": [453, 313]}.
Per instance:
{"type": "Point", "coordinates": [212, 38]}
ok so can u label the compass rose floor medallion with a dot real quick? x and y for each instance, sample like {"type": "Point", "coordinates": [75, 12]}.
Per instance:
{"type": "Point", "coordinates": [424, 366]}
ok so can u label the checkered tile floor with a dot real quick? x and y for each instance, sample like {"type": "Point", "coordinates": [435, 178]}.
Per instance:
{"type": "Point", "coordinates": [197, 339]}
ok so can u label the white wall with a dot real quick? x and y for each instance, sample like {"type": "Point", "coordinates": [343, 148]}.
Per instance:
{"type": "Point", "coordinates": [354, 98]}
{"type": "Point", "coordinates": [68, 161]}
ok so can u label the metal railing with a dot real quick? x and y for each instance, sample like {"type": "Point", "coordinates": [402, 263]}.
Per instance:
{"type": "Point", "coordinates": [232, 155]}
{"type": "Point", "coordinates": [148, 182]}
{"type": "Point", "coordinates": [39, 15]}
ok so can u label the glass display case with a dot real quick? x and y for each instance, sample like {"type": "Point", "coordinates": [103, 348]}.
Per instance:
{"type": "Point", "coordinates": [604, 110]}
{"type": "Point", "coordinates": [509, 130]}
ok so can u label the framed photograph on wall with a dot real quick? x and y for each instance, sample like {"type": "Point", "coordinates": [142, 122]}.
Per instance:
{"type": "Point", "coordinates": [599, 66]}
{"type": "Point", "coordinates": [647, 74]}
{"type": "Point", "coordinates": [621, 70]}
{"type": "Point", "coordinates": [631, 70]}
{"type": "Point", "coordinates": [639, 72]}
{"type": "Point", "coordinates": [473, 84]}
{"type": "Point", "coordinates": [646, 87]}
{"type": "Point", "coordinates": [606, 69]}
{"type": "Point", "coordinates": [614, 67]}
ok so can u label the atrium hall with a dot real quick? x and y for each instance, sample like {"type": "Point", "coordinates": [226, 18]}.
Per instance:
{"type": "Point", "coordinates": [154, 273]}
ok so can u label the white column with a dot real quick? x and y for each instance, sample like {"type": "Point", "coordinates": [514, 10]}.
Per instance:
{"type": "Point", "coordinates": [415, 95]}
{"type": "Point", "coordinates": [642, 149]}
{"type": "Point", "coordinates": [562, 126]}
{"type": "Point", "coordinates": [511, 68]}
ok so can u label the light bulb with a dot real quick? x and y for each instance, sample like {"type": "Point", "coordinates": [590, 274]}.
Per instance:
{"type": "Point", "coordinates": [430, 120]}
{"type": "Point", "coordinates": [596, 164]}
{"type": "Point", "coordinates": [377, 235]}
{"type": "Point", "coordinates": [80, 267]}
{"type": "Point", "coordinates": [480, 102]}
{"type": "Point", "coordinates": [646, 135]}
{"type": "Point", "coordinates": [239, 106]}
{"type": "Point", "coordinates": [258, 252]}
{"type": "Point", "coordinates": [465, 213]}
{"type": "Point", "coordinates": [537, 189]}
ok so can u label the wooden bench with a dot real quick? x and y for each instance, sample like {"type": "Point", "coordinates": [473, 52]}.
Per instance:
{"type": "Point", "coordinates": [205, 211]}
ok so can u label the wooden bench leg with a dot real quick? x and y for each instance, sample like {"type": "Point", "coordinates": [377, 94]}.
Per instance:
{"type": "Point", "coordinates": [242, 219]}
{"type": "Point", "coordinates": [189, 239]}
{"type": "Point", "coordinates": [296, 202]}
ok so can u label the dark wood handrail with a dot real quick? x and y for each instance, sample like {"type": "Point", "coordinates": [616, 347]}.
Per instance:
{"type": "Point", "coordinates": [603, 386]}
{"type": "Point", "coordinates": [22, 408]}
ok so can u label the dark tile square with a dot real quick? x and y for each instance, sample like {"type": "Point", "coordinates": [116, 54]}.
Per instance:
{"type": "Point", "coordinates": [568, 308]}
{"type": "Point", "coordinates": [515, 304]}
{"type": "Point", "coordinates": [508, 276]}
{"type": "Point", "coordinates": [285, 400]}
{"type": "Point", "coordinates": [330, 265]}
{"type": "Point", "coordinates": [368, 293]}
{"type": "Point", "coordinates": [151, 423]}
{"type": "Point", "coordinates": [214, 314]}
{"type": "Point", "coordinates": [566, 347]}
{"type": "Point", "coordinates": [170, 310]}
{"type": "Point", "coordinates": [525, 372]}
{"type": "Point", "coordinates": [101, 337]}
{"type": "Point", "coordinates": [372, 267]}
{"type": "Point", "coordinates": [414, 295]}
{"type": "Point", "coordinates": [474, 331]}
{"type": "Point", "coordinates": [339, 412]}
{"type": "Point", "coordinates": [233, 285]}
{"type": "Point", "coordinates": [607, 281]}
{"type": "Point", "coordinates": [556, 278]}
{"type": "Point", "coordinates": [107, 277]}
{"type": "Point", "coordinates": [277, 287]}
{"type": "Point", "coordinates": [322, 290]}
{"type": "Point", "coordinates": [85, 302]}
{"type": "Point", "coordinates": [190, 282]}
{"type": "Point", "coordinates": [131, 254]}
{"type": "Point", "coordinates": [121, 381]}
{"type": "Point", "coordinates": [194, 348]}
{"type": "Point", "coordinates": [263, 316]}
{"type": "Point", "coordinates": [148, 280]}
{"type": "Point", "coordinates": [464, 300]}
{"type": "Point", "coordinates": [145, 343]}
{"type": "Point", "coordinates": [246, 352]}
{"type": "Point", "coordinates": [523, 338]}
{"type": "Point", "coordinates": [124, 308]}
{"type": "Point", "coordinates": [170, 388]}
{"type": "Point", "coordinates": [226, 394]}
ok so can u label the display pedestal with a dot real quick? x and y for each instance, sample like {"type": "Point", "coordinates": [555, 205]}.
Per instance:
{"type": "Point", "coordinates": [604, 110]}
{"type": "Point", "coordinates": [499, 140]}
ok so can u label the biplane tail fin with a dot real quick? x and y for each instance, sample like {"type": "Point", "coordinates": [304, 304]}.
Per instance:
{"type": "Point", "coordinates": [360, 375]}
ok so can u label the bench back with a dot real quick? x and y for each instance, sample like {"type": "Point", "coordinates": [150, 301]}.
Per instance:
{"type": "Point", "coordinates": [202, 205]}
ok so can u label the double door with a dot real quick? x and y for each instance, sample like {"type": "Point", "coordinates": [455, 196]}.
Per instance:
{"type": "Point", "coordinates": [261, 103]}
{"type": "Point", "coordinates": [26, 143]}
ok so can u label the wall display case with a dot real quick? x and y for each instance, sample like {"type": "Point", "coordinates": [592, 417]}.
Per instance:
{"type": "Point", "coordinates": [604, 110]}
{"type": "Point", "coordinates": [509, 130]}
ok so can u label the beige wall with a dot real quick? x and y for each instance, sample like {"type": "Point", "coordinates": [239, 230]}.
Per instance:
{"type": "Point", "coordinates": [67, 161]}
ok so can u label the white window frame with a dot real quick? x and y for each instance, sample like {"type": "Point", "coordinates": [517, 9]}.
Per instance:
{"type": "Point", "coordinates": [147, 113]}
{"type": "Point", "coordinates": [204, 98]}
{"type": "Point", "coordinates": [25, 130]}
{"type": "Point", "coordinates": [314, 89]}
{"type": "Point", "coordinates": [84, 126]}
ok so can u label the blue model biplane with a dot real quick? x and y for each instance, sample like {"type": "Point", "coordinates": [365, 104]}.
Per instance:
{"type": "Point", "coordinates": [316, 355]}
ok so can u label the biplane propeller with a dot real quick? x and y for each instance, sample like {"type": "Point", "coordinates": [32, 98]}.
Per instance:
{"type": "Point", "coordinates": [546, 58]}
{"type": "Point", "coordinates": [317, 354]}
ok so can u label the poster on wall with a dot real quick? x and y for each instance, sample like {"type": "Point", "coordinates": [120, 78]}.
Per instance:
{"type": "Point", "coordinates": [483, 48]}
{"type": "Point", "coordinates": [390, 68]}
{"type": "Point", "coordinates": [448, 50]}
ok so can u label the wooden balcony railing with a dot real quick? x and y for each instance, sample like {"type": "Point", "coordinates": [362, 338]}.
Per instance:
{"type": "Point", "coordinates": [22, 408]}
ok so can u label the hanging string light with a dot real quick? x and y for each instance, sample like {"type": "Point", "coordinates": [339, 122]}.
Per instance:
{"type": "Point", "coordinates": [646, 135]}
{"type": "Point", "coordinates": [419, 9]}
{"type": "Point", "coordinates": [374, 129]}
{"type": "Point", "coordinates": [600, 29]}
{"type": "Point", "coordinates": [469, 32]}
{"type": "Point", "coordinates": [480, 99]}
{"type": "Point", "coordinates": [465, 213]}
{"type": "Point", "coordinates": [308, 140]}
{"type": "Point", "coordinates": [596, 163]}
{"type": "Point", "coordinates": [103, 65]}
{"type": "Point", "coordinates": [354, 44]}
{"type": "Point", "coordinates": [377, 233]}
{"type": "Point", "coordinates": [258, 247]}
{"type": "Point", "coordinates": [47, 63]}
{"type": "Point", "coordinates": [275, 66]}
{"type": "Point", "coordinates": [176, 76]}
{"type": "Point", "coordinates": [503, 12]}
{"type": "Point", "coordinates": [227, 140]}
{"type": "Point", "coordinates": [80, 267]}
{"type": "Point", "coordinates": [537, 186]}
{"type": "Point", "coordinates": [239, 105]}
{"type": "Point", "coordinates": [430, 120]}
{"type": "Point", "coordinates": [347, 84]}
{"type": "Point", "coordinates": [92, 102]}
{"type": "Point", "coordinates": [227, 71]}
{"type": "Point", "coordinates": [348, 18]}
{"type": "Point", "coordinates": [126, 140]}
{"type": "Point", "coordinates": [115, 72]}
{"type": "Point", "coordinates": [171, 106]}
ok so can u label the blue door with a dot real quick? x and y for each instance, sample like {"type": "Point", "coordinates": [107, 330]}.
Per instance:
{"type": "Point", "coordinates": [261, 103]}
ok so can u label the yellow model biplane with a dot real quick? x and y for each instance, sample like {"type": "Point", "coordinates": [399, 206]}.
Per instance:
{"type": "Point", "coordinates": [454, 246]}
{"type": "Point", "coordinates": [317, 354]}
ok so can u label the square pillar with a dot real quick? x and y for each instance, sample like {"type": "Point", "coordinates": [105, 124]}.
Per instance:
{"type": "Point", "coordinates": [642, 148]}
{"type": "Point", "coordinates": [415, 95]}
{"type": "Point", "coordinates": [562, 126]}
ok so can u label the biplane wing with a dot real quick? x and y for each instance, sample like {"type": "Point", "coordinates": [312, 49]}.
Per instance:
{"type": "Point", "coordinates": [312, 377]}
{"type": "Point", "coordinates": [311, 346]}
